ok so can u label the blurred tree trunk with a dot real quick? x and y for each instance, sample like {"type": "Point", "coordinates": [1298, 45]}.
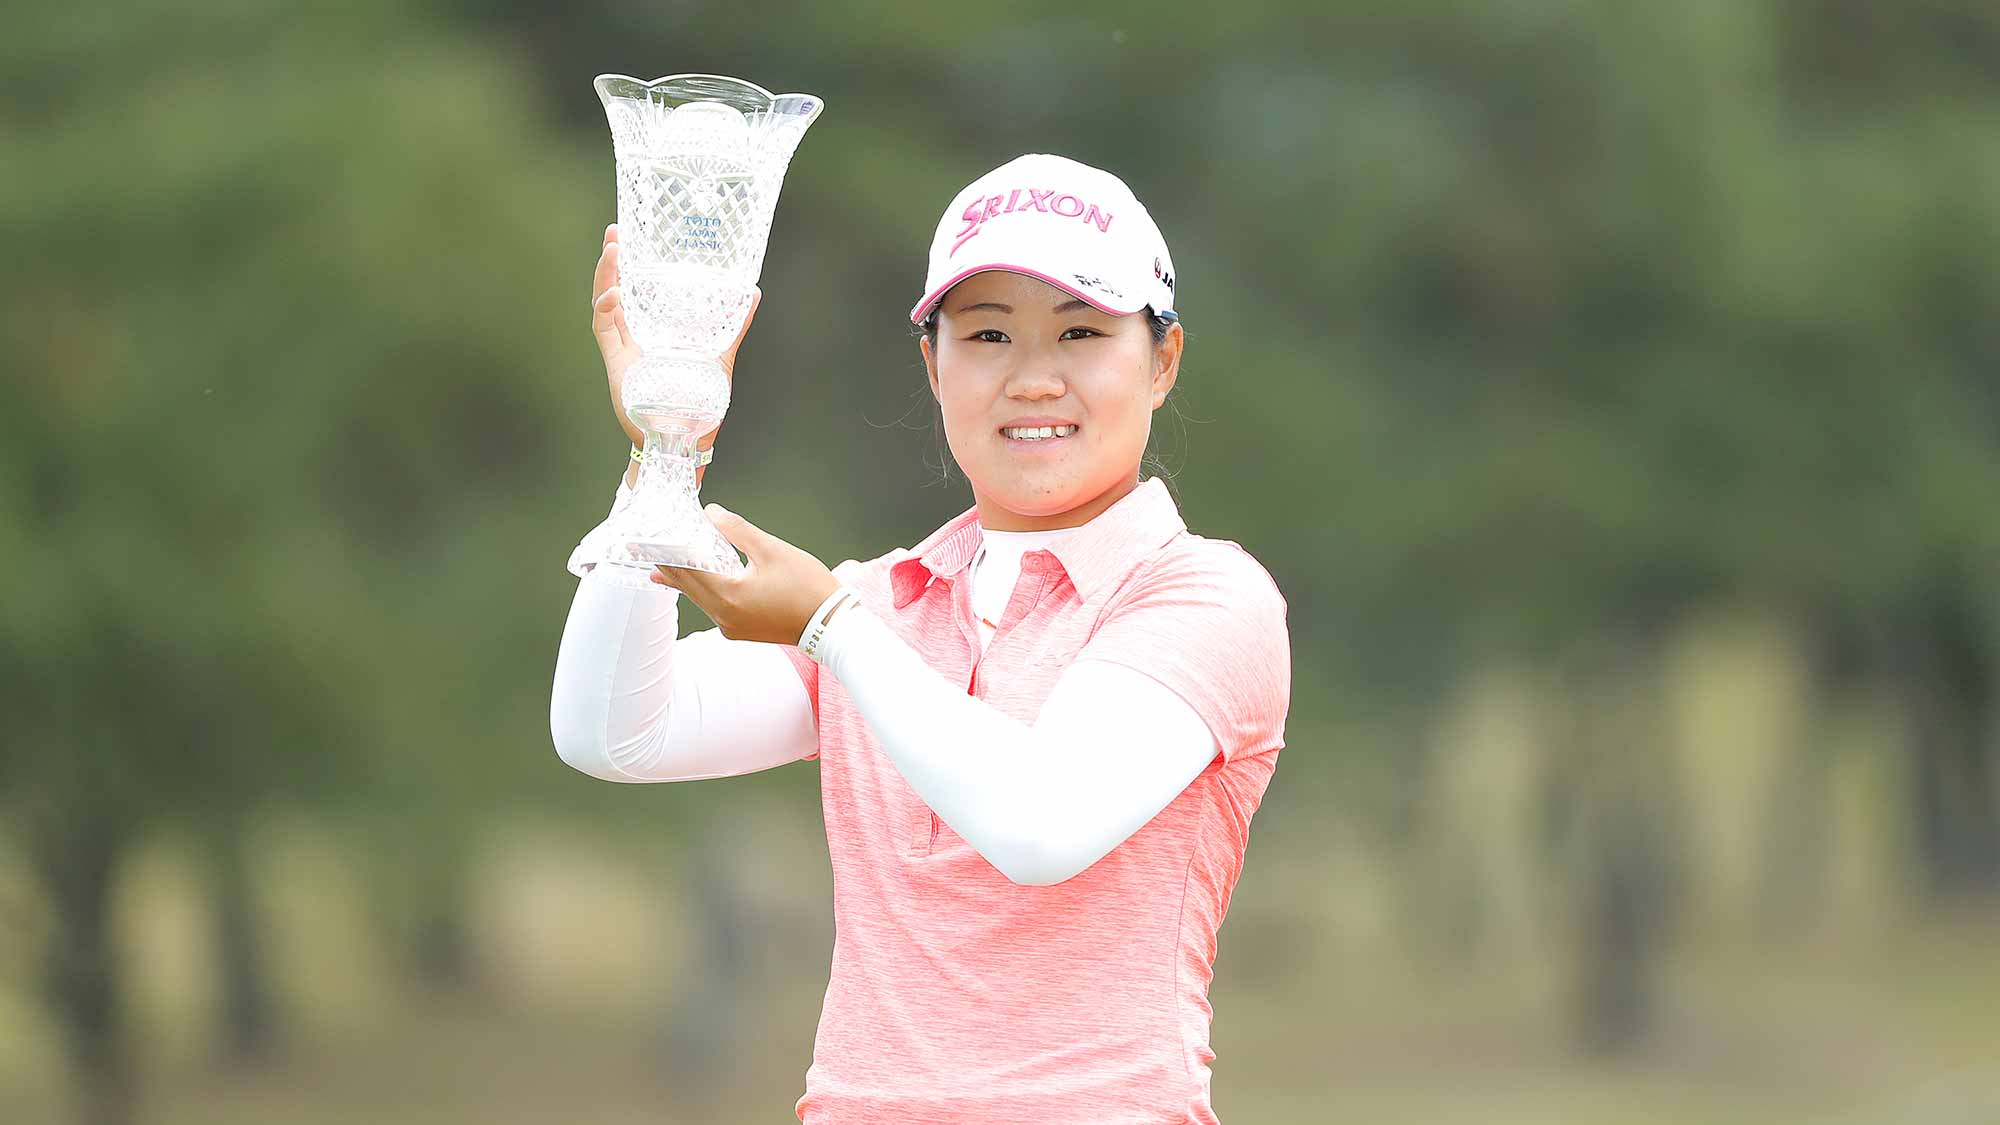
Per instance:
{"type": "Point", "coordinates": [1947, 674]}
{"type": "Point", "coordinates": [703, 1027]}
{"type": "Point", "coordinates": [441, 938]}
{"type": "Point", "coordinates": [1621, 841]}
{"type": "Point", "coordinates": [249, 1018]}
{"type": "Point", "coordinates": [420, 879]}
{"type": "Point", "coordinates": [76, 857]}
{"type": "Point", "coordinates": [1624, 909]}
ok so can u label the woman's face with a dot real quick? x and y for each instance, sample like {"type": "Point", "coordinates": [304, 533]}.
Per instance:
{"type": "Point", "coordinates": [1015, 351]}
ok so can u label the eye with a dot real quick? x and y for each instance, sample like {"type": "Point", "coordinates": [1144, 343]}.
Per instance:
{"type": "Point", "coordinates": [989, 336]}
{"type": "Point", "coordinates": [1086, 333]}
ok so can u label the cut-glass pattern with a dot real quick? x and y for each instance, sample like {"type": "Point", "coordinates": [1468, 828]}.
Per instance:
{"type": "Point", "coordinates": [700, 162]}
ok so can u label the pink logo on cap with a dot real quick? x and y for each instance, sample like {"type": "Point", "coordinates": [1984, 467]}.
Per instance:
{"type": "Point", "coordinates": [1047, 202]}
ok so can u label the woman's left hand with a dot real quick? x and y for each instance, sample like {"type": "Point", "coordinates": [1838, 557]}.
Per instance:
{"type": "Point", "coordinates": [774, 597]}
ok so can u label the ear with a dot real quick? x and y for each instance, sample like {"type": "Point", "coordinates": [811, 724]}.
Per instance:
{"type": "Point", "coordinates": [930, 366]}
{"type": "Point", "coordinates": [1167, 363]}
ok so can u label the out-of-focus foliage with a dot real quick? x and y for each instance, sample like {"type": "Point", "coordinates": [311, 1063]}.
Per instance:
{"type": "Point", "coordinates": [1614, 391]}
{"type": "Point", "coordinates": [282, 329]}
{"type": "Point", "coordinates": [279, 311]}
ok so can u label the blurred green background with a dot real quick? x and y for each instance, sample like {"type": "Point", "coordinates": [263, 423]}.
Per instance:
{"type": "Point", "coordinates": [1613, 390]}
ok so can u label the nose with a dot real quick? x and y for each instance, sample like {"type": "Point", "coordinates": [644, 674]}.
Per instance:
{"type": "Point", "coordinates": [1037, 379]}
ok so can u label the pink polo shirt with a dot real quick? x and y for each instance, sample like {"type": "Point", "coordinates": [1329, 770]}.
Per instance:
{"type": "Point", "coordinates": [957, 996]}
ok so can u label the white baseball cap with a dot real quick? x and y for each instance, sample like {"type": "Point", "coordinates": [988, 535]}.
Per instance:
{"type": "Point", "coordinates": [1076, 227]}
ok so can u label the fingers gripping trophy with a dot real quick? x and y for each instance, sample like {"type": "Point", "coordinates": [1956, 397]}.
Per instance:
{"type": "Point", "coordinates": [701, 159]}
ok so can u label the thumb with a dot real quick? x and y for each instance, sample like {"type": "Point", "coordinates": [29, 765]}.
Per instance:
{"type": "Point", "coordinates": [741, 533]}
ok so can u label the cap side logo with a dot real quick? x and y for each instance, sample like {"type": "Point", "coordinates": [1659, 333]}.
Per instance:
{"type": "Point", "coordinates": [1098, 284]}
{"type": "Point", "coordinates": [1047, 202]}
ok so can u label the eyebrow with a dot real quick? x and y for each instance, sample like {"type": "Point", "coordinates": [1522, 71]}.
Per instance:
{"type": "Point", "coordinates": [1066, 306]}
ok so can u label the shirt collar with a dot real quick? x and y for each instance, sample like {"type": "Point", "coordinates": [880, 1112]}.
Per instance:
{"type": "Point", "coordinates": [1094, 555]}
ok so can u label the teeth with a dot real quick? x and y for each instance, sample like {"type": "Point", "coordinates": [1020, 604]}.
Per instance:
{"type": "Point", "coordinates": [1036, 433]}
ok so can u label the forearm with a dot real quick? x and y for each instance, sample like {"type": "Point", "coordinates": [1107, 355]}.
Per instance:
{"type": "Point", "coordinates": [631, 702]}
{"type": "Point", "coordinates": [1040, 802]}
{"type": "Point", "coordinates": [611, 710]}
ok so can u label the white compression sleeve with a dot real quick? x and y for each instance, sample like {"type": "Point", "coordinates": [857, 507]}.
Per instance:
{"type": "Point", "coordinates": [632, 702]}
{"type": "Point", "coordinates": [1110, 749]}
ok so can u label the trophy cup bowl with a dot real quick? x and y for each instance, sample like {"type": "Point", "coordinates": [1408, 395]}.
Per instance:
{"type": "Point", "coordinates": [701, 159]}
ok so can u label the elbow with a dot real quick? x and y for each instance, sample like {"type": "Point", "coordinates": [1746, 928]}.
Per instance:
{"type": "Point", "coordinates": [1040, 847]}
{"type": "Point", "coordinates": [577, 750]}
{"type": "Point", "coordinates": [1039, 876]}
{"type": "Point", "coordinates": [1040, 862]}
{"type": "Point", "coordinates": [581, 742]}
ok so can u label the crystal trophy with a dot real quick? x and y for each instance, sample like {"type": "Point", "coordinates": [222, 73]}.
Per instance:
{"type": "Point", "coordinates": [700, 161]}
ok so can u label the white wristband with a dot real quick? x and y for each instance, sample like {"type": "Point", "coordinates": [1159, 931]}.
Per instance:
{"type": "Point", "coordinates": [812, 641]}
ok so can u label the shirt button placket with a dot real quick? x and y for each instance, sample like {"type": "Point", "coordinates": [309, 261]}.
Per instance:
{"type": "Point", "coordinates": [928, 825]}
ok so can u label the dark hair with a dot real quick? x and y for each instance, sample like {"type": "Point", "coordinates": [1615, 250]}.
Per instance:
{"type": "Point", "coordinates": [1156, 322]}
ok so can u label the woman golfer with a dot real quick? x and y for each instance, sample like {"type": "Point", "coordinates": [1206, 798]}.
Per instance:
{"type": "Point", "coordinates": [1041, 732]}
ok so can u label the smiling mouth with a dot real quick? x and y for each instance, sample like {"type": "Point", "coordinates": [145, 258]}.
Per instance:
{"type": "Point", "coordinates": [1039, 435]}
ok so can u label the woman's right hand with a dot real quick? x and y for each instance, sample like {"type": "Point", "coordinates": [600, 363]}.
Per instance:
{"type": "Point", "coordinates": [614, 338]}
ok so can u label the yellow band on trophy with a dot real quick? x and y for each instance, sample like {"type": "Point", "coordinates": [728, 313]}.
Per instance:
{"type": "Point", "coordinates": [701, 456]}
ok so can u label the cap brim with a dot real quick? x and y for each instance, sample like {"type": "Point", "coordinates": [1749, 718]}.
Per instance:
{"type": "Point", "coordinates": [923, 307]}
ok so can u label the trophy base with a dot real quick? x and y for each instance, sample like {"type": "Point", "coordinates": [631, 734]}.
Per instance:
{"type": "Point", "coordinates": [704, 550]}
